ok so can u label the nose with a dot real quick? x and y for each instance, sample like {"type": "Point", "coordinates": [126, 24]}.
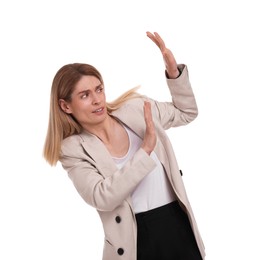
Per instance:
{"type": "Point", "coordinates": [95, 99]}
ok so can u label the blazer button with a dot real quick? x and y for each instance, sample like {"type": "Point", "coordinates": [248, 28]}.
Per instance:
{"type": "Point", "coordinates": [120, 251]}
{"type": "Point", "coordinates": [118, 219]}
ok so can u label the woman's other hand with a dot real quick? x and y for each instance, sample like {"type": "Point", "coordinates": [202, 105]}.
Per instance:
{"type": "Point", "coordinates": [169, 60]}
{"type": "Point", "coordinates": [149, 141]}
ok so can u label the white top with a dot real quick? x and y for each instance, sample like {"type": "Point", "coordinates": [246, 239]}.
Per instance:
{"type": "Point", "coordinates": [154, 190]}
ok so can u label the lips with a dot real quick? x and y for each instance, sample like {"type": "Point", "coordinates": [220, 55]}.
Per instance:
{"type": "Point", "coordinates": [98, 110]}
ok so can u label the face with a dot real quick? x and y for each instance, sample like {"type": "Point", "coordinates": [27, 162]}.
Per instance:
{"type": "Point", "coordinates": [88, 102]}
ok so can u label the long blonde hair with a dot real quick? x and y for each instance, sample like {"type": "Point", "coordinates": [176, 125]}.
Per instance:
{"type": "Point", "coordinates": [61, 125]}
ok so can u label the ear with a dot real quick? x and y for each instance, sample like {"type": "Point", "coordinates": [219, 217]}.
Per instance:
{"type": "Point", "coordinates": [65, 106]}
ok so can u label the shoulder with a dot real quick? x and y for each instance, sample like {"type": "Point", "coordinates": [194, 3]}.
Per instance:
{"type": "Point", "coordinates": [71, 140]}
{"type": "Point", "coordinates": [133, 102]}
{"type": "Point", "coordinates": [133, 105]}
{"type": "Point", "coordinates": [71, 145]}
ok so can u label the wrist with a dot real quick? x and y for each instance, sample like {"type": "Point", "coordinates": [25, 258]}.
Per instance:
{"type": "Point", "coordinates": [146, 149]}
{"type": "Point", "coordinates": [174, 74]}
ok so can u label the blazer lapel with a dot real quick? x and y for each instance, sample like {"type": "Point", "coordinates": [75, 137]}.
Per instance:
{"type": "Point", "coordinates": [99, 153]}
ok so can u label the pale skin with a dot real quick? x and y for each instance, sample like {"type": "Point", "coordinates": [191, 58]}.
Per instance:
{"type": "Point", "coordinates": [88, 106]}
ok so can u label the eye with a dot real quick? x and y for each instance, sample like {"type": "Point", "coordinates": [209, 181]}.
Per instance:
{"type": "Point", "coordinates": [85, 95]}
{"type": "Point", "coordinates": [99, 89]}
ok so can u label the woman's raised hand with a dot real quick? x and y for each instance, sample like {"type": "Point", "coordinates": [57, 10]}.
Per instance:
{"type": "Point", "coordinates": [149, 141]}
{"type": "Point", "coordinates": [170, 62]}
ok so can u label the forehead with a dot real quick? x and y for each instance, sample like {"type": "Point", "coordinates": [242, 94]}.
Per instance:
{"type": "Point", "coordinates": [87, 83]}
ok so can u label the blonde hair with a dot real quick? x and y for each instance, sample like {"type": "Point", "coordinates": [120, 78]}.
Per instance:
{"type": "Point", "coordinates": [62, 125]}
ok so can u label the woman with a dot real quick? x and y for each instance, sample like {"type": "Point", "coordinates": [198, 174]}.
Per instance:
{"type": "Point", "coordinates": [121, 161]}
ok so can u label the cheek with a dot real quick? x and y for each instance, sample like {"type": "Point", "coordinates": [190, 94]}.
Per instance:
{"type": "Point", "coordinates": [79, 109]}
{"type": "Point", "coordinates": [104, 97]}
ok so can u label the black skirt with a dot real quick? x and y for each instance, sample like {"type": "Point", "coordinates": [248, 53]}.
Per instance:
{"type": "Point", "coordinates": [165, 233]}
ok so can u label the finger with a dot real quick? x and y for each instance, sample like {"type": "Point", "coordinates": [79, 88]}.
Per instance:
{"type": "Point", "coordinates": [146, 110]}
{"type": "Point", "coordinates": [156, 38]}
{"type": "Point", "coordinates": [148, 113]}
{"type": "Point", "coordinates": [153, 38]}
{"type": "Point", "coordinates": [159, 40]}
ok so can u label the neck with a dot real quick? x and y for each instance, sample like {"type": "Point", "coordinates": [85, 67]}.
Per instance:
{"type": "Point", "coordinates": [105, 130]}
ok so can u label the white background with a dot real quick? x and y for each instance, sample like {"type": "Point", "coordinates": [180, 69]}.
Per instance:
{"type": "Point", "coordinates": [42, 216]}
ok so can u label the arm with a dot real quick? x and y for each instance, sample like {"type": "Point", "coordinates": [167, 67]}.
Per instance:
{"type": "Point", "coordinates": [104, 188]}
{"type": "Point", "coordinates": [183, 108]}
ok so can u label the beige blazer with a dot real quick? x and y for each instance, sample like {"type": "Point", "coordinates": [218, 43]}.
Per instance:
{"type": "Point", "coordinates": [106, 188]}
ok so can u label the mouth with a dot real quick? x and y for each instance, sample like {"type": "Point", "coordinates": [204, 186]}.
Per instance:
{"type": "Point", "coordinates": [98, 110]}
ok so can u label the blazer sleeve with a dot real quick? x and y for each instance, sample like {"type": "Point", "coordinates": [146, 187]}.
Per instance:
{"type": "Point", "coordinates": [183, 108]}
{"type": "Point", "coordinates": [103, 188]}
